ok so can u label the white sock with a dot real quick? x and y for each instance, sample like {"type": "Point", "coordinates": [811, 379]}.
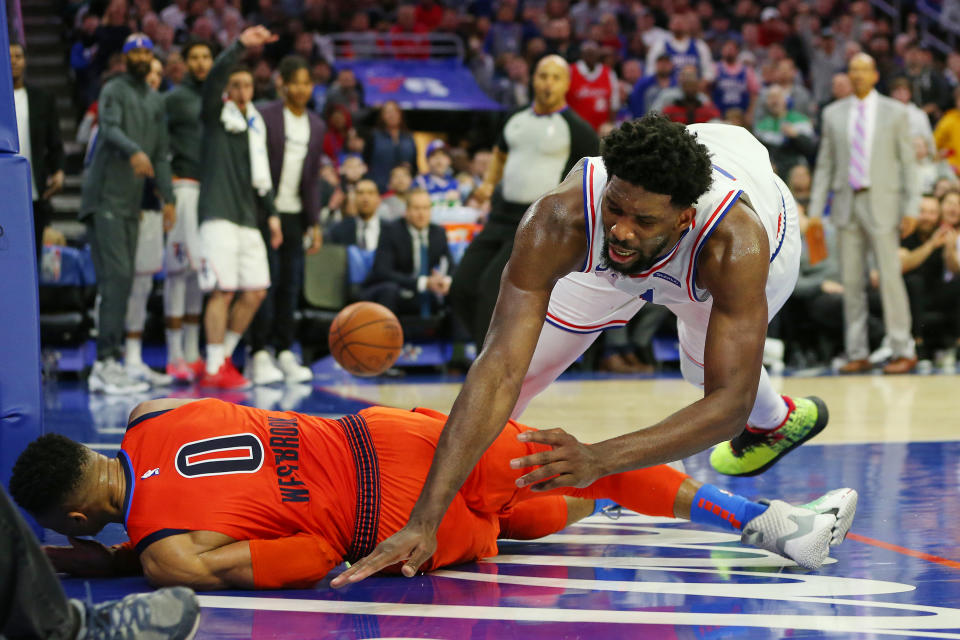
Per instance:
{"type": "Point", "coordinates": [174, 344]}
{"type": "Point", "coordinates": [769, 409]}
{"type": "Point", "coordinates": [231, 341]}
{"type": "Point", "coordinates": [191, 341]}
{"type": "Point", "coordinates": [132, 354]}
{"type": "Point", "coordinates": [216, 356]}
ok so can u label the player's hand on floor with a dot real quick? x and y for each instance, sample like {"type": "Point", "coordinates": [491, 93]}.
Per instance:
{"type": "Point", "coordinates": [569, 464]}
{"type": "Point", "coordinates": [410, 545]}
{"type": "Point", "coordinates": [85, 559]}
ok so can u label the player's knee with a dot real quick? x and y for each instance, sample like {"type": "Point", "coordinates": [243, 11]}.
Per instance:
{"type": "Point", "coordinates": [255, 297]}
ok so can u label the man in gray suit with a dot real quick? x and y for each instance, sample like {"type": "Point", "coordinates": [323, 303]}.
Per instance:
{"type": "Point", "coordinates": [866, 158]}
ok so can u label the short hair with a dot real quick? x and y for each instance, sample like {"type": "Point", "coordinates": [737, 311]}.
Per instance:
{"type": "Point", "coordinates": [47, 472]}
{"type": "Point", "coordinates": [661, 156]}
{"type": "Point", "coordinates": [416, 191]}
{"type": "Point", "coordinates": [290, 65]}
{"type": "Point", "coordinates": [239, 68]}
{"type": "Point", "coordinates": [192, 43]}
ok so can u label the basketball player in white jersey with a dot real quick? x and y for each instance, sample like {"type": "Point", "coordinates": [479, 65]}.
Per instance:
{"type": "Point", "coordinates": [690, 217]}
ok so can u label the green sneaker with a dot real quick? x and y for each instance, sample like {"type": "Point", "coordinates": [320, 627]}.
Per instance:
{"type": "Point", "coordinates": [753, 452]}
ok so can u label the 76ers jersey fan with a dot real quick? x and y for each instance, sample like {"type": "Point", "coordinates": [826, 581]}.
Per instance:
{"type": "Point", "coordinates": [741, 172]}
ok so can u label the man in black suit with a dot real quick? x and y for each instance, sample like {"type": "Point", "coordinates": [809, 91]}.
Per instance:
{"type": "Point", "coordinates": [39, 127]}
{"type": "Point", "coordinates": [363, 229]}
{"type": "Point", "coordinates": [409, 274]}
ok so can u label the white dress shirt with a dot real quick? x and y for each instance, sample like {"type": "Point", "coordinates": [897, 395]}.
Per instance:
{"type": "Point", "coordinates": [368, 232]}
{"type": "Point", "coordinates": [22, 106]}
{"type": "Point", "coordinates": [870, 116]}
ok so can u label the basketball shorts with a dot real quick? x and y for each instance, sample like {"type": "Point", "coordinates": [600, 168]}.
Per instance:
{"type": "Point", "coordinates": [233, 258]}
{"type": "Point", "coordinates": [149, 258]}
{"type": "Point", "coordinates": [183, 250]}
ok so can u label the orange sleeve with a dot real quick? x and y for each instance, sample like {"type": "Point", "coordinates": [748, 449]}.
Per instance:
{"type": "Point", "coordinates": [297, 562]}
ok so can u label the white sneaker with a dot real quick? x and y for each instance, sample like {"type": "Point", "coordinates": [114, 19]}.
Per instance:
{"type": "Point", "coordinates": [293, 395]}
{"type": "Point", "coordinates": [842, 503]}
{"type": "Point", "coordinates": [140, 371]}
{"type": "Point", "coordinates": [293, 371]}
{"type": "Point", "coordinates": [262, 369]}
{"type": "Point", "coordinates": [793, 532]}
{"type": "Point", "coordinates": [110, 377]}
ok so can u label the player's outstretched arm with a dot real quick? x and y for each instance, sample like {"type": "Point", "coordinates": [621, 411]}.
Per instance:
{"type": "Point", "coordinates": [92, 559]}
{"type": "Point", "coordinates": [550, 243]}
{"type": "Point", "coordinates": [733, 267]}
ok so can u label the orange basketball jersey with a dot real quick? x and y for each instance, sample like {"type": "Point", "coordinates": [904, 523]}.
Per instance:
{"type": "Point", "coordinates": [247, 473]}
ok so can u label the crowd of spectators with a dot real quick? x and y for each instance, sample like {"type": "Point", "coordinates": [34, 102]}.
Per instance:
{"type": "Point", "coordinates": [770, 67]}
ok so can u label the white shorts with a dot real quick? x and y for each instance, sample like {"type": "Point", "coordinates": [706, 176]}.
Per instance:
{"type": "Point", "coordinates": [183, 241]}
{"type": "Point", "coordinates": [149, 258]}
{"type": "Point", "coordinates": [232, 258]}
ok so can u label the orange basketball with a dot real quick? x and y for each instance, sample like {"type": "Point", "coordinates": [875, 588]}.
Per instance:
{"type": "Point", "coordinates": [366, 338]}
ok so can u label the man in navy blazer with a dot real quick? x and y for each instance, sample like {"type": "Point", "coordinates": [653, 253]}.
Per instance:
{"type": "Point", "coordinates": [411, 264]}
{"type": "Point", "coordinates": [294, 146]}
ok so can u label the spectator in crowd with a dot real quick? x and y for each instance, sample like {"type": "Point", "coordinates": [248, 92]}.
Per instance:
{"type": "Point", "coordinates": [438, 181]}
{"type": "Point", "coordinates": [505, 34]}
{"type": "Point", "coordinates": [513, 90]}
{"type": "Point", "coordinates": [83, 54]}
{"type": "Point", "coordinates": [388, 145]}
{"type": "Point", "coordinates": [428, 14]}
{"type": "Point", "coordinates": [33, 605]}
{"type": "Point", "coordinates": [394, 203]}
{"type": "Point", "coordinates": [942, 187]}
{"type": "Point", "coordinates": [264, 86]}
{"type": "Point", "coordinates": [786, 133]}
{"type": "Point", "coordinates": [686, 103]}
{"type": "Point", "coordinates": [362, 229]}
{"type": "Point", "coordinates": [947, 133]}
{"type": "Point", "coordinates": [929, 88]}
{"type": "Point", "coordinates": [322, 73]}
{"type": "Point", "coordinates": [826, 61]}
{"type": "Point", "coordinates": [407, 36]}
{"type": "Point", "coordinates": [148, 261]}
{"type": "Point", "coordinates": [736, 85]}
{"type": "Point", "coordinates": [130, 147]}
{"type": "Point", "coordinates": [409, 274]}
{"type": "Point", "coordinates": [684, 49]}
{"type": "Point", "coordinates": [339, 122]}
{"type": "Point", "coordinates": [110, 35]}
{"type": "Point", "coordinates": [867, 160]}
{"type": "Point", "coordinates": [38, 129]}
{"type": "Point", "coordinates": [594, 89]}
{"type": "Point", "coordinates": [175, 69]}
{"type": "Point", "coordinates": [175, 15]}
{"type": "Point", "coordinates": [182, 298]}
{"type": "Point", "coordinates": [648, 89]}
{"type": "Point", "coordinates": [840, 88]}
{"type": "Point", "coordinates": [919, 122]}
{"type": "Point", "coordinates": [586, 13]}
{"type": "Point", "coordinates": [797, 96]}
{"type": "Point", "coordinates": [930, 168]}
{"type": "Point", "coordinates": [799, 181]}
{"type": "Point", "coordinates": [294, 146]}
{"type": "Point", "coordinates": [234, 179]}
{"type": "Point", "coordinates": [934, 300]}
{"type": "Point", "coordinates": [347, 91]}
{"type": "Point", "coordinates": [536, 148]}
{"type": "Point", "coordinates": [559, 40]}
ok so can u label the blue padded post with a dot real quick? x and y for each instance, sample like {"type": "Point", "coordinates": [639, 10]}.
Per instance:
{"type": "Point", "coordinates": [9, 142]}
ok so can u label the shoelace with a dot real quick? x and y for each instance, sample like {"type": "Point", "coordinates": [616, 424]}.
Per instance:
{"type": "Point", "coordinates": [120, 619]}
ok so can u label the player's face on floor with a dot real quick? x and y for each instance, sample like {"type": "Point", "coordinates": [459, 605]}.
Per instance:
{"type": "Point", "coordinates": [638, 225]}
{"type": "Point", "coordinates": [70, 523]}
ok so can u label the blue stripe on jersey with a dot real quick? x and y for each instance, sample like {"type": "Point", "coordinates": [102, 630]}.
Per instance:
{"type": "Point", "coordinates": [722, 172]}
{"type": "Point", "coordinates": [709, 232]}
{"type": "Point", "coordinates": [586, 218]}
{"type": "Point", "coordinates": [783, 204]}
{"type": "Point", "coordinates": [127, 465]}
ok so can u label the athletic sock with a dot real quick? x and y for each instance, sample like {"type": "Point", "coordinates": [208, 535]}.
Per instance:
{"type": "Point", "coordinates": [776, 417]}
{"type": "Point", "coordinates": [191, 341]}
{"type": "Point", "coordinates": [132, 355]}
{"type": "Point", "coordinates": [174, 344]}
{"type": "Point", "coordinates": [231, 341]}
{"type": "Point", "coordinates": [718, 508]}
{"type": "Point", "coordinates": [216, 355]}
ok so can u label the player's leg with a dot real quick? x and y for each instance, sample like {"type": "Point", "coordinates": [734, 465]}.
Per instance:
{"type": "Point", "coordinates": [581, 306]}
{"type": "Point", "coordinates": [253, 280]}
{"type": "Point", "coordinates": [182, 298]}
{"type": "Point", "coordinates": [148, 261]}
{"type": "Point", "coordinates": [544, 515]}
{"type": "Point", "coordinates": [261, 369]}
{"type": "Point", "coordinates": [219, 277]}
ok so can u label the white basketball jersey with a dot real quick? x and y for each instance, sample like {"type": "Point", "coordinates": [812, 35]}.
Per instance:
{"type": "Point", "coordinates": [741, 169]}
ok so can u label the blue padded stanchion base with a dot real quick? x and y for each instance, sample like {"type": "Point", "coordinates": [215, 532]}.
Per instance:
{"type": "Point", "coordinates": [9, 141]}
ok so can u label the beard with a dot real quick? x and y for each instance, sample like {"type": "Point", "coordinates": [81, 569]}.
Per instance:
{"type": "Point", "coordinates": [138, 70]}
{"type": "Point", "coordinates": [643, 261]}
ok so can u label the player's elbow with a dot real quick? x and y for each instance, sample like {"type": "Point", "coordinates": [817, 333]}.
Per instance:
{"type": "Point", "coordinates": [733, 411]}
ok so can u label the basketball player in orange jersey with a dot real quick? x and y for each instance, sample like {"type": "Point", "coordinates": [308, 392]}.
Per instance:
{"type": "Point", "coordinates": [215, 495]}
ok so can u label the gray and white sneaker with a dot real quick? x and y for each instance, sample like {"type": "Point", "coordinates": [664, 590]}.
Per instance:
{"type": "Point", "coordinates": [842, 503]}
{"type": "Point", "coordinates": [797, 533]}
{"type": "Point", "coordinates": [166, 614]}
{"type": "Point", "coordinates": [262, 370]}
{"type": "Point", "coordinates": [293, 371]}
{"type": "Point", "coordinates": [109, 376]}
{"type": "Point", "coordinates": [140, 371]}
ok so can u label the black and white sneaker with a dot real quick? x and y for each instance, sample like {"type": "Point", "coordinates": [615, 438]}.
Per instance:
{"type": "Point", "coordinates": [166, 614]}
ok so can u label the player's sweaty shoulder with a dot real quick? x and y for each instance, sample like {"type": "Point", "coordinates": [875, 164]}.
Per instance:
{"type": "Point", "coordinates": [556, 217]}
{"type": "Point", "coordinates": [739, 242]}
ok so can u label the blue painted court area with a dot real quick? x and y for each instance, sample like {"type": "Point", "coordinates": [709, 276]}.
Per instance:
{"type": "Point", "coordinates": [897, 574]}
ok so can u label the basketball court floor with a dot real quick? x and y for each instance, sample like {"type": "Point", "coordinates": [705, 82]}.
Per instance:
{"type": "Point", "coordinates": [894, 439]}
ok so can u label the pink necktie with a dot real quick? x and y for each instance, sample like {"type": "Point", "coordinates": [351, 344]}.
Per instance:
{"type": "Point", "coordinates": [859, 163]}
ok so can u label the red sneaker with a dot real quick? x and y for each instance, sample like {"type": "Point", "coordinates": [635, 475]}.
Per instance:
{"type": "Point", "coordinates": [199, 368]}
{"type": "Point", "coordinates": [181, 371]}
{"type": "Point", "coordinates": [226, 378]}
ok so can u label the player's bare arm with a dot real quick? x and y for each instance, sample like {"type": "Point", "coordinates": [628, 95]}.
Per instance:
{"type": "Point", "coordinates": [733, 267]}
{"type": "Point", "coordinates": [550, 243]}
{"type": "Point", "coordinates": [201, 560]}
